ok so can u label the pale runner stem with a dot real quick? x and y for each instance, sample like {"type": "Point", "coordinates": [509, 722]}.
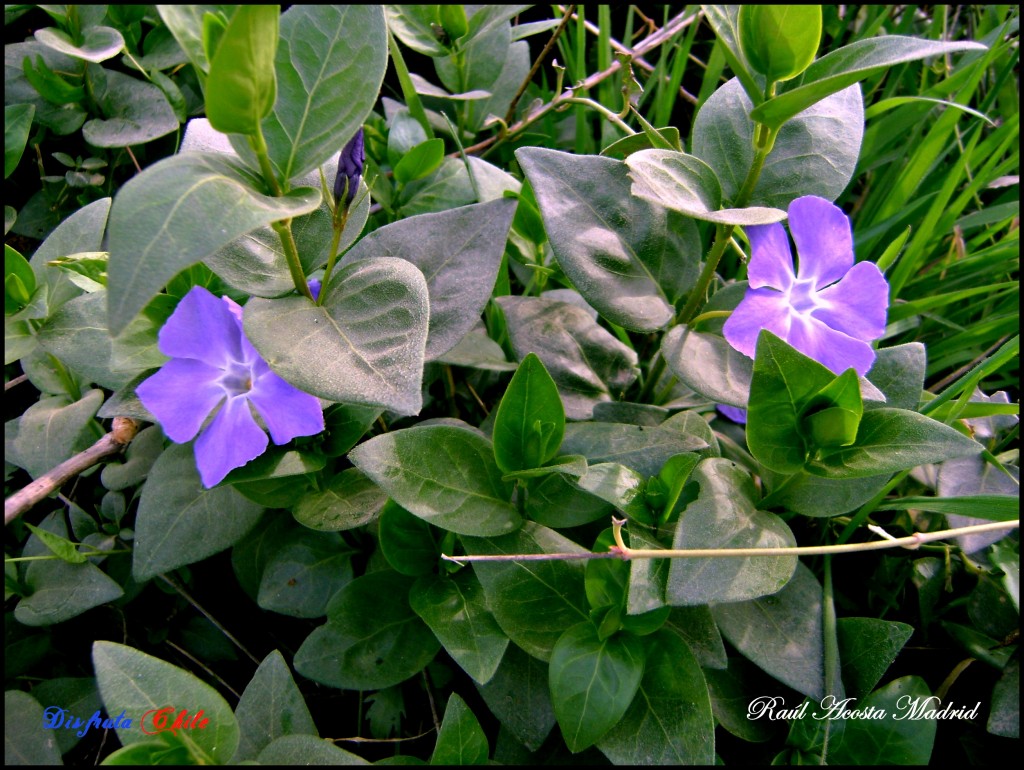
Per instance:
{"type": "Point", "coordinates": [123, 432]}
{"type": "Point", "coordinates": [621, 551]}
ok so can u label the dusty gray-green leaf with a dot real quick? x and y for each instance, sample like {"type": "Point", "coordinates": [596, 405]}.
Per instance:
{"type": "Point", "coordinates": [709, 365]}
{"type": "Point", "coordinates": [349, 500]}
{"type": "Point", "coordinates": [363, 345]}
{"type": "Point", "coordinates": [631, 259]}
{"type": "Point", "coordinates": [519, 696]}
{"type": "Point", "coordinates": [178, 212]}
{"type": "Point", "coordinates": [135, 112]}
{"type": "Point", "coordinates": [25, 743]}
{"type": "Point", "coordinates": [271, 706]}
{"type": "Point", "coordinates": [53, 430]}
{"type": "Point", "coordinates": [461, 740]}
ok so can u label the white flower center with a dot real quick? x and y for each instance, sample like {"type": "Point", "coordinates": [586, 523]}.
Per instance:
{"type": "Point", "coordinates": [237, 379]}
{"type": "Point", "coordinates": [803, 297]}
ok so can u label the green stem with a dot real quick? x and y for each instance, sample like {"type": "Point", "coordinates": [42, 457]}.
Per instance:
{"type": "Point", "coordinates": [833, 684]}
{"type": "Point", "coordinates": [259, 146]}
{"type": "Point", "coordinates": [653, 375]}
{"type": "Point", "coordinates": [340, 220]}
{"type": "Point", "coordinates": [722, 235]}
{"type": "Point", "coordinates": [412, 99]}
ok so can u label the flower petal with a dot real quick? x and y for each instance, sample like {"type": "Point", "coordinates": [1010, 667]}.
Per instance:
{"type": "Point", "coordinates": [286, 410]}
{"type": "Point", "coordinates": [857, 305]}
{"type": "Point", "coordinates": [824, 240]}
{"type": "Point", "coordinates": [734, 413]}
{"type": "Point", "coordinates": [759, 309]}
{"type": "Point", "coordinates": [181, 396]}
{"type": "Point", "coordinates": [771, 260]}
{"type": "Point", "coordinates": [232, 440]}
{"type": "Point", "coordinates": [829, 347]}
{"type": "Point", "coordinates": [201, 327]}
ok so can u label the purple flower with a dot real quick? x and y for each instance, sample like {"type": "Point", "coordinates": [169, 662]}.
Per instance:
{"type": "Point", "coordinates": [734, 413]}
{"type": "Point", "coordinates": [350, 168]}
{"type": "Point", "coordinates": [830, 309]}
{"type": "Point", "coordinates": [213, 365]}
{"type": "Point", "coordinates": [314, 287]}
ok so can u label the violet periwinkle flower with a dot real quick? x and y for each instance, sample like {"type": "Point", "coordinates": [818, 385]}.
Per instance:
{"type": "Point", "coordinates": [829, 309]}
{"type": "Point", "coordinates": [213, 365]}
{"type": "Point", "coordinates": [350, 169]}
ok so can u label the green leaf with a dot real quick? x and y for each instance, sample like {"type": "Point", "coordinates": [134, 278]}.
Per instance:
{"type": "Point", "coordinates": [557, 502]}
{"type": "Point", "coordinates": [830, 418]}
{"type": "Point", "coordinates": [848, 65]}
{"type": "Point", "coordinates": [241, 85]}
{"type": "Point", "coordinates": [61, 547]}
{"type": "Point", "coordinates": [867, 647]}
{"type": "Point", "coordinates": [461, 740]}
{"type": "Point", "coordinates": [17, 124]}
{"type": "Point", "coordinates": [24, 742]}
{"type": "Point", "coordinates": [814, 496]}
{"type": "Point", "coordinates": [724, 515]}
{"type": "Point", "coordinates": [301, 577]}
{"type": "Point", "coordinates": [530, 421]}
{"type": "Point", "coordinates": [76, 694]}
{"type": "Point", "coordinates": [19, 281]}
{"type": "Point", "coordinates": [630, 259]}
{"type": "Point", "coordinates": [988, 507]}
{"type": "Point", "coordinates": [587, 363]}
{"type": "Point", "coordinates": [643, 449]}
{"type": "Point", "coordinates": [627, 145]}
{"type": "Point", "coordinates": [179, 522]}
{"type": "Point", "coordinates": [444, 475]}
{"type": "Point", "coordinates": [899, 373]}
{"type": "Point", "coordinates": [50, 85]}
{"type": "Point", "coordinates": [815, 152]}
{"type": "Point", "coordinates": [271, 706]}
{"type": "Point", "coordinates": [134, 112]}
{"type": "Point", "coordinates": [709, 365]}
{"type": "Point", "coordinates": [306, 750]}
{"type": "Point", "coordinates": [891, 440]}
{"type": "Point", "coordinates": [686, 184]}
{"type": "Point", "coordinates": [368, 643]}
{"type": "Point", "coordinates": [98, 43]}
{"type": "Point", "coordinates": [896, 739]}
{"type": "Point", "coordinates": [784, 381]}
{"type": "Point", "coordinates": [53, 430]}
{"type": "Point", "coordinates": [724, 19]}
{"type": "Point", "coordinates": [349, 500]}
{"type": "Point", "coordinates": [670, 721]}
{"type": "Point", "coordinates": [363, 345]}
{"type": "Point", "coordinates": [328, 79]}
{"type": "Point", "coordinates": [593, 681]}
{"type": "Point", "coordinates": [515, 591]}
{"type": "Point", "coordinates": [618, 485]}
{"type": "Point", "coordinates": [134, 683]}
{"type": "Point", "coordinates": [456, 610]}
{"type": "Point", "coordinates": [173, 215]}
{"type": "Point", "coordinates": [414, 26]}
{"type": "Point", "coordinates": [406, 541]}
{"type": "Point", "coordinates": [458, 252]}
{"type": "Point", "coordinates": [421, 161]}
{"type": "Point", "coordinates": [1004, 714]}
{"type": "Point", "coordinates": [781, 633]}
{"type": "Point", "coordinates": [19, 86]}
{"type": "Point", "coordinates": [519, 696]}
{"type": "Point", "coordinates": [780, 41]}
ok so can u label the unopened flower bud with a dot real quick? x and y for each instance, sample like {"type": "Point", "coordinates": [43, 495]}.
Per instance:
{"type": "Point", "coordinates": [350, 169]}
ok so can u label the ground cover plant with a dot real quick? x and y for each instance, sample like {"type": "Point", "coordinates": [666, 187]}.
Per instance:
{"type": "Point", "coordinates": [453, 384]}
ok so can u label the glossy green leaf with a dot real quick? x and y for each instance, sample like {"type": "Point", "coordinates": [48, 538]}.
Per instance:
{"type": "Point", "coordinates": [670, 721]}
{"type": "Point", "coordinates": [831, 417]}
{"type": "Point", "coordinates": [24, 742]}
{"type": "Point", "coordinates": [630, 259]}
{"type": "Point", "coordinates": [271, 706]}
{"type": "Point", "coordinates": [530, 421]}
{"type": "Point", "coordinates": [724, 20]}
{"type": "Point", "coordinates": [686, 184]}
{"type": "Point", "coordinates": [134, 683]}
{"type": "Point", "coordinates": [19, 89]}
{"type": "Point", "coordinates": [781, 633]}
{"type": "Point", "coordinates": [896, 739]}
{"type": "Point", "coordinates": [784, 381]}
{"type": "Point", "coordinates": [58, 545]}
{"type": "Point", "coordinates": [461, 740]}
{"type": "Point", "coordinates": [618, 485]}
{"type": "Point", "coordinates": [456, 610]}
{"type": "Point", "coordinates": [444, 475]}
{"type": "Point", "coordinates": [643, 449]}
{"type": "Point", "coordinates": [19, 281]}
{"type": "Point", "coordinates": [867, 647]}
{"type": "Point", "coordinates": [570, 466]}
{"type": "Point", "coordinates": [815, 152]}
{"type": "Point", "coordinates": [514, 591]}
{"type": "Point", "coordinates": [848, 65]}
{"type": "Point", "coordinates": [179, 522]}
{"type": "Point", "coordinates": [241, 85]}
{"type": "Point", "coordinates": [421, 161]}
{"type": "Point", "coordinates": [709, 365]}
{"type": "Point", "coordinates": [587, 363]}
{"type": "Point", "coordinates": [725, 515]}
{"type": "Point", "coordinates": [557, 502]}
{"type": "Point", "coordinates": [814, 496]}
{"type": "Point", "coordinates": [303, 574]}
{"type": "Point", "coordinates": [349, 500]}
{"type": "Point", "coordinates": [98, 43]}
{"type": "Point", "coordinates": [185, 23]}
{"type": "Point", "coordinates": [891, 440]}
{"type": "Point", "coordinates": [458, 252]}
{"type": "Point", "coordinates": [367, 643]}
{"type": "Point", "coordinates": [186, 195]}
{"type": "Point", "coordinates": [593, 681]}
{"type": "Point", "coordinates": [519, 696]}
{"type": "Point", "coordinates": [406, 541]}
{"type": "Point", "coordinates": [17, 123]}
{"type": "Point", "coordinates": [363, 345]}
{"type": "Point", "coordinates": [780, 41]}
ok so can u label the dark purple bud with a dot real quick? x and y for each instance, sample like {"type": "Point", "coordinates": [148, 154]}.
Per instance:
{"type": "Point", "coordinates": [350, 168]}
